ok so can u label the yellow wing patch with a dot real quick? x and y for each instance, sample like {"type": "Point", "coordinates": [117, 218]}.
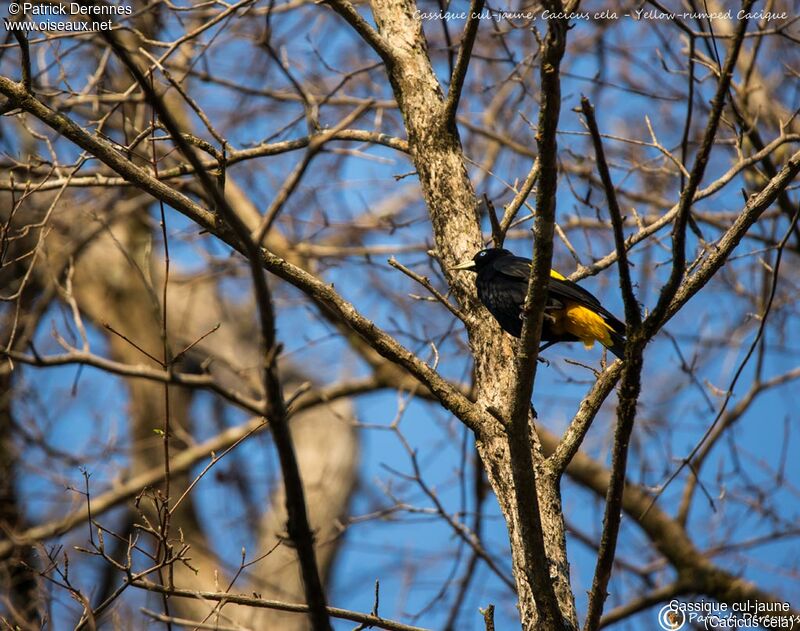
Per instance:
{"type": "Point", "coordinates": [586, 325]}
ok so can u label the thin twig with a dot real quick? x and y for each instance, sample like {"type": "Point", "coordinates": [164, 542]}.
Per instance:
{"type": "Point", "coordinates": [193, 624]}
{"type": "Point", "coordinates": [576, 432]}
{"type": "Point", "coordinates": [139, 371]}
{"type": "Point", "coordinates": [515, 204]}
{"type": "Point", "coordinates": [214, 460]}
{"type": "Point", "coordinates": [125, 338]}
{"type": "Point", "coordinates": [251, 601]}
{"type": "Point", "coordinates": [498, 237]}
{"type": "Point", "coordinates": [423, 280]}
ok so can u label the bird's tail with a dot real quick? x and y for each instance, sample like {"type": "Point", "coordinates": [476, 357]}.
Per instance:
{"type": "Point", "coordinates": [617, 345]}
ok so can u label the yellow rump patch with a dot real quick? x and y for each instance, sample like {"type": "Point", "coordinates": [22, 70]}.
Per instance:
{"type": "Point", "coordinates": [586, 325]}
{"type": "Point", "coordinates": [580, 321]}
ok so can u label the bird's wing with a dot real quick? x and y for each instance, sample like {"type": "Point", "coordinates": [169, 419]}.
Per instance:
{"type": "Point", "coordinates": [559, 288]}
{"type": "Point", "coordinates": [567, 290]}
{"type": "Point", "coordinates": [515, 267]}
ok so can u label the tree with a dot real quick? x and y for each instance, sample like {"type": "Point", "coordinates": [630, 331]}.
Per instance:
{"type": "Point", "coordinates": [198, 205]}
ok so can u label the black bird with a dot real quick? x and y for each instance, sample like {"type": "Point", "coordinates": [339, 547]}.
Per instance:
{"type": "Point", "coordinates": [571, 314]}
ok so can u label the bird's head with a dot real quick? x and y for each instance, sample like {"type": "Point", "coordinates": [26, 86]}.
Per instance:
{"type": "Point", "coordinates": [482, 259]}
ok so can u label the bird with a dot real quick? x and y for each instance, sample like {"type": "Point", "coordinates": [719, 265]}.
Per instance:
{"type": "Point", "coordinates": [571, 313]}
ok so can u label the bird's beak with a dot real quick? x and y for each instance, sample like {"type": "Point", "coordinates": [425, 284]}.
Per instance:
{"type": "Point", "coordinates": [465, 265]}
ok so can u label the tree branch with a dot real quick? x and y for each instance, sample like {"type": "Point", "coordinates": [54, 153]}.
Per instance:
{"type": "Point", "coordinates": [589, 407]}
{"type": "Point", "coordinates": [659, 595]}
{"type": "Point", "coordinates": [626, 414]}
{"type": "Point", "coordinates": [375, 40]}
{"type": "Point", "coordinates": [518, 427]}
{"type": "Point", "coordinates": [139, 371]}
{"type": "Point", "coordinates": [234, 157]}
{"type": "Point", "coordinates": [462, 61]}
{"type": "Point", "coordinates": [251, 601]}
{"type": "Point", "coordinates": [633, 316]}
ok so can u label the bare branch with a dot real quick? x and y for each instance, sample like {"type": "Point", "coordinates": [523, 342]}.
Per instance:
{"type": "Point", "coordinates": [459, 71]}
{"type": "Point", "coordinates": [345, 9]}
{"type": "Point", "coordinates": [518, 424]}
{"type": "Point", "coordinates": [589, 407]}
{"type": "Point", "coordinates": [633, 316]}
{"type": "Point", "coordinates": [250, 601]}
